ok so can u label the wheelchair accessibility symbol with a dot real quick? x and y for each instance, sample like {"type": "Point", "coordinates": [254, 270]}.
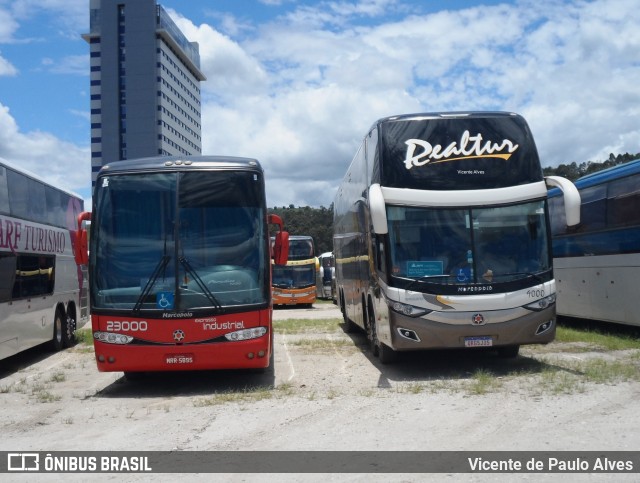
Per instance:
{"type": "Point", "coordinates": [164, 300]}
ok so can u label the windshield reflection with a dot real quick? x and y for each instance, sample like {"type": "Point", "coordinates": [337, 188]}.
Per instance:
{"type": "Point", "coordinates": [468, 246]}
{"type": "Point", "coordinates": [179, 242]}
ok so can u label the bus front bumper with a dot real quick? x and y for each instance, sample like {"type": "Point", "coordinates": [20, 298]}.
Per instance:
{"type": "Point", "coordinates": [471, 330]}
{"type": "Point", "coordinates": [249, 354]}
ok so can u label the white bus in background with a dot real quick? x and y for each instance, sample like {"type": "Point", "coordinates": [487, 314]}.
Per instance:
{"type": "Point", "coordinates": [441, 235]}
{"type": "Point", "coordinates": [597, 263]}
{"type": "Point", "coordinates": [325, 276]}
{"type": "Point", "coordinates": [43, 292]}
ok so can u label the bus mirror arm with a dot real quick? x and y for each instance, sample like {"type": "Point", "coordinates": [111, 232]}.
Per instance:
{"type": "Point", "coordinates": [377, 209]}
{"type": "Point", "coordinates": [280, 253]}
{"type": "Point", "coordinates": [81, 246]}
{"type": "Point", "coordinates": [571, 198]}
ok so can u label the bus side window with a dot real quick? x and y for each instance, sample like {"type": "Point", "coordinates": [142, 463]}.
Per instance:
{"type": "Point", "coordinates": [7, 276]}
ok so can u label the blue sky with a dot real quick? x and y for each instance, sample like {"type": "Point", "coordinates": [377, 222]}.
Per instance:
{"type": "Point", "coordinates": [297, 83]}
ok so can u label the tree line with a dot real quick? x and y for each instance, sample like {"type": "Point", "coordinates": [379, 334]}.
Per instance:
{"type": "Point", "coordinates": [318, 222]}
{"type": "Point", "coordinates": [573, 171]}
{"type": "Point", "coordinates": [314, 222]}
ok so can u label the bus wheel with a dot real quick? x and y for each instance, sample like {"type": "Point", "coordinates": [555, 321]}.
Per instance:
{"type": "Point", "coordinates": [382, 351]}
{"type": "Point", "coordinates": [60, 329]}
{"type": "Point", "coordinates": [509, 351]}
{"type": "Point", "coordinates": [348, 326]}
{"type": "Point", "coordinates": [70, 333]}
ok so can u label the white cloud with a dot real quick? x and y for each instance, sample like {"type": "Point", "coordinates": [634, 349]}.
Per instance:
{"type": "Point", "coordinates": [8, 25]}
{"type": "Point", "coordinates": [571, 69]}
{"type": "Point", "coordinates": [6, 68]}
{"type": "Point", "coordinates": [67, 14]}
{"type": "Point", "coordinates": [61, 163]}
{"type": "Point", "coordinates": [299, 92]}
{"type": "Point", "coordinates": [70, 64]}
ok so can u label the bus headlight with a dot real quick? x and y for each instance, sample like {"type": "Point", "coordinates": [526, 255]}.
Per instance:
{"type": "Point", "coordinates": [406, 309]}
{"type": "Point", "coordinates": [112, 338]}
{"type": "Point", "coordinates": [246, 334]}
{"type": "Point", "coordinates": [542, 304]}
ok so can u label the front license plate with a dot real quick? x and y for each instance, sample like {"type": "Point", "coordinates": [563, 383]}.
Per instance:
{"type": "Point", "coordinates": [179, 359]}
{"type": "Point", "coordinates": [482, 341]}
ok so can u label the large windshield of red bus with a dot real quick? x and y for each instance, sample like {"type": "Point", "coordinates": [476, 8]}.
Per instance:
{"type": "Point", "coordinates": [179, 241]}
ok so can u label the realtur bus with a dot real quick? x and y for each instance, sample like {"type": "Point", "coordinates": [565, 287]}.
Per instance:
{"type": "Point", "coordinates": [43, 294]}
{"type": "Point", "coordinates": [295, 283]}
{"type": "Point", "coordinates": [180, 266]}
{"type": "Point", "coordinates": [597, 263]}
{"type": "Point", "coordinates": [441, 235]}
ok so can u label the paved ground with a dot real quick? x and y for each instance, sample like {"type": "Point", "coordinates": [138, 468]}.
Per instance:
{"type": "Point", "coordinates": [327, 392]}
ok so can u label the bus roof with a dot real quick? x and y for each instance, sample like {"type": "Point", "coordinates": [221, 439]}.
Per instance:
{"type": "Point", "coordinates": [173, 163]}
{"type": "Point", "coordinates": [34, 176]}
{"type": "Point", "coordinates": [603, 176]}
{"type": "Point", "coordinates": [619, 171]}
{"type": "Point", "coordinates": [445, 115]}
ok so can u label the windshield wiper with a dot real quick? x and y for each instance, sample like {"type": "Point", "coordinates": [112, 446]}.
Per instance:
{"type": "Point", "coordinates": [152, 280]}
{"type": "Point", "coordinates": [205, 290]}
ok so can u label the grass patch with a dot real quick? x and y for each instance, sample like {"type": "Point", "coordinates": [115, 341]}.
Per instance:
{"type": "Point", "coordinates": [298, 326]}
{"type": "Point", "coordinates": [84, 336]}
{"type": "Point", "coordinates": [610, 372]}
{"type": "Point", "coordinates": [595, 338]}
{"type": "Point", "coordinates": [247, 395]}
{"type": "Point", "coordinates": [324, 345]}
{"type": "Point", "coordinates": [557, 381]}
{"type": "Point", "coordinates": [482, 382]}
{"type": "Point", "coordinates": [58, 377]}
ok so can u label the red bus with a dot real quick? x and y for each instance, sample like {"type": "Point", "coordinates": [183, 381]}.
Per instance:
{"type": "Point", "coordinates": [180, 265]}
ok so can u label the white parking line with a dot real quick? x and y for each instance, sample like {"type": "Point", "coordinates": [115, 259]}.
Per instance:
{"type": "Point", "coordinates": [292, 371]}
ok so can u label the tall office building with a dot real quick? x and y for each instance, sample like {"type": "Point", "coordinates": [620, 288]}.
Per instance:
{"type": "Point", "coordinates": [145, 83]}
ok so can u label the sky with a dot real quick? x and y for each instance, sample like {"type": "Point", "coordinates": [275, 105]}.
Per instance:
{"type": "Point", "coordinates": [297, 83]}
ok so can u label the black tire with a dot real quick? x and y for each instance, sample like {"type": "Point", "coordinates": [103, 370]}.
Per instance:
{"type": "Point", "coordinates": [70, 332]}
{"type": "Point", "coordinates": [60, 332]}
{"type": "Point", "coordinates": [509, 351]}
{"type": "Point", "coordinates": [382, 351]}
{"type": "Point", "coordinates": [348, 326]}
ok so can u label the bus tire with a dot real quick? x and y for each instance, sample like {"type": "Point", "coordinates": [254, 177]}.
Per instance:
{"type": "Point", "coordinates": [380, 350]}
{"type": "Point", "coordinates": [348, 326]}
{"type": "Point", "coordinates": [509, 351]}
{"type": "Point", "coordinates": [70, 333]}
{"type": "Point", "coordinates": [60, 331]}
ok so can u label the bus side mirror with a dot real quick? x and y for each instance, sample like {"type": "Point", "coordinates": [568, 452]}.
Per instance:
{"type": "Point", "coordinates": [82, 244]}
{"type": "Point", "coordinates": [280, 252]}
{"type": "Point", "coordinates": [377, 210]}
{"type": "Point", "coordinates": [571, 198]}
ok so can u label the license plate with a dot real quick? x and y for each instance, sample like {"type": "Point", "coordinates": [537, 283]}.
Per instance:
{"type": "Point", "coordinates": [482, 341]}
{"type": "Point", "coordinates": [179, 359]}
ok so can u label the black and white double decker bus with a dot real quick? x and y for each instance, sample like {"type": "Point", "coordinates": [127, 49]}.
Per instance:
{"type": "Point", "coordinates": [441, 235]}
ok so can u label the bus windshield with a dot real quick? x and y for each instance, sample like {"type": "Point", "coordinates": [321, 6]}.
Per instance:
{"type": "Point", "coordinates": [499, 245]}
{"type": "Point", "coordinates": [179, 241]}
{"type": "Point", "coordinates": [300, 271]}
